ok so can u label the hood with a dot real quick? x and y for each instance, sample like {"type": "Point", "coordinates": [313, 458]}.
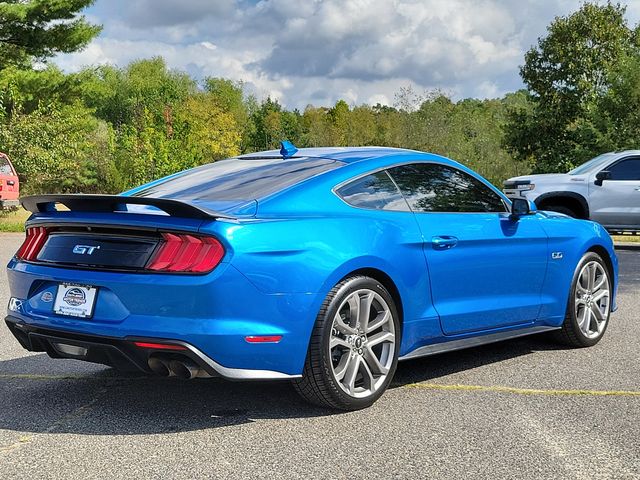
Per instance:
{"type": "Point", "coordinates": [543, 177]}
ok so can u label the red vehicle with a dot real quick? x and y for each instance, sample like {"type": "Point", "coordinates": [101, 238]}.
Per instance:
{"type": "Point", "coordinates": [9, 184]}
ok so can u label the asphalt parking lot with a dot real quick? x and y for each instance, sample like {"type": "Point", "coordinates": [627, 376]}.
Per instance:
{"type": "Point", "coordinates": [520, 409]}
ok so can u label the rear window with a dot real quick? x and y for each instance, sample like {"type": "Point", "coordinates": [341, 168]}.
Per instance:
{"type": "Point", "coordinates": [237, 179]}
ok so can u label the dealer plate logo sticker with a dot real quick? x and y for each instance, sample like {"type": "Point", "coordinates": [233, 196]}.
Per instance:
{"type": "Point", "coordinates": [75, 300]}
{"type": "Point", "coordinates": [75, 297]}
{"type": "Point", "coordinates": [47, 297]}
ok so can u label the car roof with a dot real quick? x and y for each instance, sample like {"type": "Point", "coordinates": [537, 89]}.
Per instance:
{"type": "Point", "coordinates": [340, 154]}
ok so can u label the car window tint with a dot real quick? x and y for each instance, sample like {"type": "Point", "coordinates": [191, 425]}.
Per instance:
{"type": "Point", "coordinates": [431, 187]}
{"type": "Point", "coordinates": [628, 169]}
{"type": "Point", "coordinates": [237, 179]}
{"type": "Point", "coordinates": [375, 191]}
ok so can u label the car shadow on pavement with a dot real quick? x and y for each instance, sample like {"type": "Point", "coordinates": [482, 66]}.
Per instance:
{"type": "Point", "coordinates": [41, 395]}
{"type": "Point", "coordinates": [434, 367]}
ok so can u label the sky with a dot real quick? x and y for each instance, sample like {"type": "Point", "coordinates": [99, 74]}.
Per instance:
{"type": "Point", "coordinates": [316, 52]}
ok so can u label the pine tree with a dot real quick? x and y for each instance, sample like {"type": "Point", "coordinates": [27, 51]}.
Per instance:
{"type": "Point", "coordinates": [34, 30]}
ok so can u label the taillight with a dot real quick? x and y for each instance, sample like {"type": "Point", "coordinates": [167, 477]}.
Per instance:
{"type": "Point", "coordinates": [36, 236]}
{"type": "Point", "coordinates": [181, 252]}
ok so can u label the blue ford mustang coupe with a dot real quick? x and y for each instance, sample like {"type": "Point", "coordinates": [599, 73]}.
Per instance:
{"type": "Point", "coordinates": [325, 266]}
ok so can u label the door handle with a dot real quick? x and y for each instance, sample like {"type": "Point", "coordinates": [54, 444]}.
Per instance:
{"type": "Point", "coordinates": [443, 242]}
{"type": "Point", "coordinates": [638, 189]}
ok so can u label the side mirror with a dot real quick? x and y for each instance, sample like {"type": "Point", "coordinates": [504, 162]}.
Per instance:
{"type": "Point", "coordinates": [521, 207]}
{"type": "Point", "coordinates": [602, 176]}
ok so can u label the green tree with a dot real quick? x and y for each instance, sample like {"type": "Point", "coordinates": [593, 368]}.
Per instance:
{"type": "Point", "coordinates": [567, 74]}
{"type": "Point", "coordinates": [57, 148]}
{"type": "Point", "coordinates": [204, 132]}
{"type": "Point", "coordinates": [267, 129]}
{"type": "Point", "coordinates": [38, 29]}
{"type": "Point", "coordinates": [23, 91]}
{"type": "Point", "coordinates": [145, 90]}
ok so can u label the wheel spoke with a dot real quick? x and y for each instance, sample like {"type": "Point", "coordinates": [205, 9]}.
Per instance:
{"type": "Point", "coordinates": [597, 313]}
{"type": "Point", "coordinates": [338, 342]}
{"type": "Point", "coordinates": [354, 310]}
{"type": "Point", "coordinates": [380, 337]}
{"type": "Point", "coordinates": [351, 373]}
{"type": "Point", "coordinates": [341, 369]}
{"type": "Point", "coordinates": [380, 320]}
{"type": "Point", "coordinates": [373, 363]}
{"type": "Point", "coordinates": [365, 310]}
{"type": "Point", "coordinates": [585, 322]}
{"type": "Point", "coordinates": [583, 280]}
{"type": "Point", "coordinates": [600, 284]}
{"type": "Point", "coordinates": [367, 375]}
{"type": "Point", "coordinates": [592, 276]}
{"type": "Point", "coordinates": [600, 295]}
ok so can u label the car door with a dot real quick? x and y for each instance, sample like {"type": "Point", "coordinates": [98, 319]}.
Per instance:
{"type": "Point", "coordinates": [486, 269]}
{"type": "Point", "coordinates": [616, 202]}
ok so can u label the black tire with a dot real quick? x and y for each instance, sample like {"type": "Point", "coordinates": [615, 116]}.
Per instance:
{"type": "Point", "coordinates": [561, 209]}
{"type": "Point", "coordinates": [318, 384]}
{"type": "Point", "coordinates": [571, 334]}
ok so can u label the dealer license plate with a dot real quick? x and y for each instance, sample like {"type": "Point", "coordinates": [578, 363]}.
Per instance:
{"type": "Point", "coordinates": [75, 300]}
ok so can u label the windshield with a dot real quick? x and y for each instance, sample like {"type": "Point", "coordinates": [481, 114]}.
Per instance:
{"type": "Point", "coordinates": [585, 167]}
{"type": "Point", "coordinates": [237, 179]}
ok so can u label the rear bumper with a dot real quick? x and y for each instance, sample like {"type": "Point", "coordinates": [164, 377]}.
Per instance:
{"type": "Point", "coordinates": [212, 313]}
{"type": "Point", "coordinates": [122, 354]}
{"type": "Point", "coordinates": [9, 203]}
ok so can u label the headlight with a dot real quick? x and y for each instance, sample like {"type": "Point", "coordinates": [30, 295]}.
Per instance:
{"type": "Point", "coordinates": [528, 186]}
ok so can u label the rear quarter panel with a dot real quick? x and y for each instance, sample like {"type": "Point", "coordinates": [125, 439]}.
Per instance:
{"type": "Point", "coordinates": [310, 248]}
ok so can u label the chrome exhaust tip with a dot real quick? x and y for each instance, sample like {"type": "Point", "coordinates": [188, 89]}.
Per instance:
{"type": "Point", "coordinates": [185, 370]}
{"type": "Point", "coordinates": [159, 366]}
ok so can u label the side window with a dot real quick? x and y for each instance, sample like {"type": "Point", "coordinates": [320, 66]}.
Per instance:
{"type": "Point", "coordinates": [431, 187]}
{"type": "Point", "coordinates": [628, 169]}
{"type": "Point", "coordinates": [375, 191]}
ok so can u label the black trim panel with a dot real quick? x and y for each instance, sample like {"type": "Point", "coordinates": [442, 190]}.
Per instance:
{"type": "Point", "coordinates": [115, 352]}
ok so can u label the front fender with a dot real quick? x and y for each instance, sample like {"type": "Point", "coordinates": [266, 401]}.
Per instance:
{"type": "Point", "coordinates": [571, 238]}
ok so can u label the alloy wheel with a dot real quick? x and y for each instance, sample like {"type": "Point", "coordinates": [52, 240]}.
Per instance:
{"type": "Point", "coordinates": [592, 297]}
{"type": "Point", "coordinates": [362, 343]}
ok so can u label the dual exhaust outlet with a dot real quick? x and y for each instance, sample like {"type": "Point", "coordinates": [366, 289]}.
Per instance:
{"type": "Point", "coordinates": [183, 369]}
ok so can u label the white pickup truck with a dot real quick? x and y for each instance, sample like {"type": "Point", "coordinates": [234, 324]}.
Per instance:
{"type": "Point", "coordinates": [606, 189]}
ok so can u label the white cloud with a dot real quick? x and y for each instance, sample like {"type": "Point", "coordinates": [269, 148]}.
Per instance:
{"type": "Point", "coordinates": [320, 51]}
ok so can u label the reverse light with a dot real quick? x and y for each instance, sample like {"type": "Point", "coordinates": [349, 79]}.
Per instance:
{"type": "Point", "coordinates": [186, 253]}
{"type": "Point", "coordinates": [36, 236]}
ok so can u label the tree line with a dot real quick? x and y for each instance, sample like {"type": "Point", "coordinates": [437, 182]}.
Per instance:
{"type": "Point", "coordinates": [108, 128]}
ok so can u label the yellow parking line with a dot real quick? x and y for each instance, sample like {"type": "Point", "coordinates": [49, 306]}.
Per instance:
{"type": "Point", "coordinates": [523, 391]}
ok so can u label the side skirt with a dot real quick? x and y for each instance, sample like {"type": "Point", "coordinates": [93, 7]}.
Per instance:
{"type": "Point", "coordinates": [452, 345]}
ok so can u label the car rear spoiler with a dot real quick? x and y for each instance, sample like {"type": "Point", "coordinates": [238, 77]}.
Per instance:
{"type": "Point", "coordinates": [116, 203]}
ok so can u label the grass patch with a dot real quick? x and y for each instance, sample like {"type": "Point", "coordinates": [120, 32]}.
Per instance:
{"type": "Point", "coordinates": [626, 238]}
{"type": "Point", "coordinates": [13, 221]}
